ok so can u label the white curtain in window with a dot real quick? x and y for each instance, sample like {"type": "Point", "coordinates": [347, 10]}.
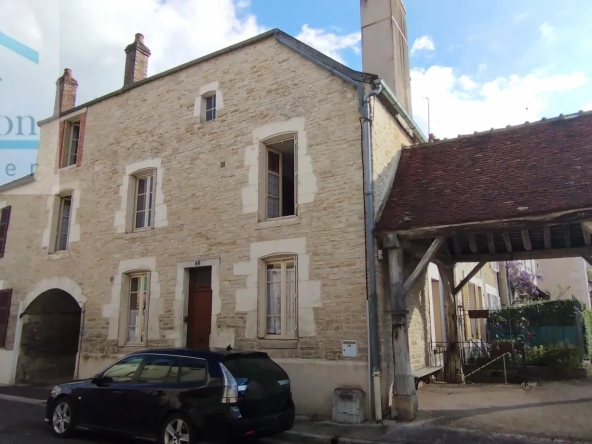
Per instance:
{"type": "Point", "coordinates": [274, 299]}
{"type": "Point", "coordinates": [290, 300]}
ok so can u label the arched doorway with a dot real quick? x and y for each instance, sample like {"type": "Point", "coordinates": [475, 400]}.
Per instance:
{"type": "Point", "coordinates": [49, 339]}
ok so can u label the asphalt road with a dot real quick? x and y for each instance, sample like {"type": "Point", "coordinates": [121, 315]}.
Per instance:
{"type": "Point", "coordinates": [24, 424]}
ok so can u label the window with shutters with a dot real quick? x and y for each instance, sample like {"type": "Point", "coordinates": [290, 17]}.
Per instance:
{"type": "Point", "coordinates": [278, 315]}
{"type": "Point", "coordinates": [5, 297]}
{"type": "Point", "coordinates": [278, 178]}
{"type": "Point", "coordinates": [4, 221]}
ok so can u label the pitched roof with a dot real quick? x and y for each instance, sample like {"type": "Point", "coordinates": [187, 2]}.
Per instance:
{"type": "Point", "coordinates": [285, 39]}
{"type": "Point", "coordinates": [529, 169]}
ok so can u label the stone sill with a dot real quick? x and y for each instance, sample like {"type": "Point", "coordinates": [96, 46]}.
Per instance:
{"type": "Point", "coordinates": [277, 344]}
{"type": "Point", "coordinates": [279, 222]}
{"type": "Point", "coordinates": [58, 255]}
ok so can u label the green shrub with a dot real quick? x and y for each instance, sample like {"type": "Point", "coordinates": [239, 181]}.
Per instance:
{"type": "Point", "coordinates": [556, 355]}
{"type": "Point", "coordinates": [588, 332]}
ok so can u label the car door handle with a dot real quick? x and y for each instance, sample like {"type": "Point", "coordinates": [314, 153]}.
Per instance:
{"type": "Point", "coordinates": [157, 393]}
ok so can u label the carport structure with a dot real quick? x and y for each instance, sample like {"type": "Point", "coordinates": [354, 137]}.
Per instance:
{"type": "Point", "coordinates": [520, 192]}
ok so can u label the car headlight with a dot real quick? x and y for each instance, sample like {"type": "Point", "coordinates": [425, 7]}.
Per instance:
{"type": "Point", "coordinates": [56, 391]}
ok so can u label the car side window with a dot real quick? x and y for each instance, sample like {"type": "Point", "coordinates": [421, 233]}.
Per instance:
{"type": "Point", "coordinates": [124, 370]}
{"type": "Point", "coordinates": [159, 369]}
{"type": "Point", "coordinates": [194, 370]}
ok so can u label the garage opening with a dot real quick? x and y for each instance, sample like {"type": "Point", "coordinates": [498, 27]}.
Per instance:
{"type": "Point", "coordinates": [50, 339]}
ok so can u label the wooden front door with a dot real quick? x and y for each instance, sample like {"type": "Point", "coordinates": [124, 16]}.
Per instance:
{"type": "Point", "coordinates": [199, 312]}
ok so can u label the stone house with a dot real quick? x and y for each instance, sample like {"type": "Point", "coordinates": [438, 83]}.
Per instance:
{"type": "Point", "coordinates": [220, 203]}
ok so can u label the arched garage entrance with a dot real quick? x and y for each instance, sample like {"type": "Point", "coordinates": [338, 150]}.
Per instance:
{"type": "Point", "coordinates": [49, 339]}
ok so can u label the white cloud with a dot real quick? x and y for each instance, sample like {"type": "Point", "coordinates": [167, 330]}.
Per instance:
{"type": "Point", "coordinates": [587, 107]}
{"type": "Point", "coordinates": [547, 31]}
{"type": "Point", "coordinates": [423, 43]}
{"type": "Point", "coordinates": [90, 39]}
{"type": "Point", "coordinates": [461, 105]}
{"type": "Point", "coordinates": [329, 43]}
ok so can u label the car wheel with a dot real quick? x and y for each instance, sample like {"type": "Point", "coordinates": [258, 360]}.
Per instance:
{"type": "Point", "coordinates": [62, 424]}
{"type": "Point", "coordinates": [177, 429]}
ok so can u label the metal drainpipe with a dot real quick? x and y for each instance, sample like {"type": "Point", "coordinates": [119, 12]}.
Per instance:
{"type": "Point", "coordinates": [370, 253]}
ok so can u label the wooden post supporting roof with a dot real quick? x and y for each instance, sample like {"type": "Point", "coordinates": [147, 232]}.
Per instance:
{"type": "Point", "coordinates": [404, 395]}
{"type": "Point", "coordinates": [452, 365]}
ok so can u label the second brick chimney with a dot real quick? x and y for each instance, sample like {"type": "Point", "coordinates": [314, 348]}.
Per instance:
{"type": "Point", "coordinates": [136, 61]}
{"type": "Point", "coordinates": [65, 92]}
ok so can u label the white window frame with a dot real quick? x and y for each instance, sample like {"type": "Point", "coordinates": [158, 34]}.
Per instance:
{"type": "Point", "coordinates": [264, 151]}
{"type": "Point", "coordinates": [65, 161]}
{"type": "Point", "coordinates": [283, 260]}
{"type": "Point", "coordinates": [207, 98]}
{"type": "Point", "coordinates": [143, 303]}
{"type": "Point", "coordinates": [148, 209]}
{"type": "Point", "coordinates": [61, 229]}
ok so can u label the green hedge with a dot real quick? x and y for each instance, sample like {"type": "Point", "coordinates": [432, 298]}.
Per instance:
{"type": "Point", "coordinates": [588, 332]}
{"type": "Point", "coordinates": [543, 314]}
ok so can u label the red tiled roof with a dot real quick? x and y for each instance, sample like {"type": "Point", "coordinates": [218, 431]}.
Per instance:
{"type": "Point", "coordinates": [530, 169]}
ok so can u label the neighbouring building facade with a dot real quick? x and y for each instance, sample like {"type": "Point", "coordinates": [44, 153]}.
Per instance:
{"type": "Point", "coordinates": [220, 203]}
{"type": "Point", "coordinates": [565, 278]}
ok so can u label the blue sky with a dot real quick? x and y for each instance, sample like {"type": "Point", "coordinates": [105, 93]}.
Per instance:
{"type": "Point", "coordinates": [481, 64]}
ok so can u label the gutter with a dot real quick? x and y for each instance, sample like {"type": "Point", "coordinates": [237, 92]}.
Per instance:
{"type": "Point", "coordinates": [388, 94]}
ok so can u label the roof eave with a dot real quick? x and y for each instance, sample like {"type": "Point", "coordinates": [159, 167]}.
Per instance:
{"type": "Point", "coordinates": [17, 183]}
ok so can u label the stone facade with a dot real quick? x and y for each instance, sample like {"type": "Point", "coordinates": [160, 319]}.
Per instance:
{"type": "Point", "coordinates": [207, 206]}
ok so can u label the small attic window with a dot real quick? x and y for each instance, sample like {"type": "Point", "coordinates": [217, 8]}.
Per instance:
{"type": "Point", "coordinates": [211, 107]}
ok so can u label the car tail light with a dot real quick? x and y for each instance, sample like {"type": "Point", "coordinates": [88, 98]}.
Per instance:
{"type": "Point", "coordinates": [230, 393]}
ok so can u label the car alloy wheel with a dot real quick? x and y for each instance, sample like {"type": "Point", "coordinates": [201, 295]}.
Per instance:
{"type": "Point", "coordinates": [177, 431]}
{"type": "Point", "coordinates": [61, 421]}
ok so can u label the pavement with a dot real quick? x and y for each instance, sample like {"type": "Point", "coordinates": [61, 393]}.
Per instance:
{"type": "Point", "coordinates": [21, 420]}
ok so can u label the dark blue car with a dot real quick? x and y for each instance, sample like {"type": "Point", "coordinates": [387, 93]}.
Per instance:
{"type": "Point", "coordinates": [178, 396]}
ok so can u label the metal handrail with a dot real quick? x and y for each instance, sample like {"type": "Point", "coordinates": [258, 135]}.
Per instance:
{"type": "Point", "coordinates": [493, 360]}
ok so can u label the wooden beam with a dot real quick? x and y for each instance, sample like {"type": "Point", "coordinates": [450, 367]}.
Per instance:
{"type": "Point", "coordinates": [423, 264]}
{"type": "Point", "coordinates": [547, 236]}
{"type": "Point", "coordinates": [404, 404]}
{"type": "Point", "coordinates": [526, 240]}
{"type": "Point", "coordinates": [587, 231]}
{"type": "Point", "coordinates": [419, 250]}
{"type": "Point", "coordinates": [457, 247]}
{"type": "Point", "coordinates": [566, 236]}
{"type": "Point", "coordinates": [491, 243]}
{"type": "Point", "coordinates": [473, 243]}
{"type": "Point", "coordinates": [508, 242]}
{"type": "Point", "coordinates": [499, 225]}
{"type": "Point", "coordinates": [553, 253]}
{"type": "Point", "coordinates": [468, 277]}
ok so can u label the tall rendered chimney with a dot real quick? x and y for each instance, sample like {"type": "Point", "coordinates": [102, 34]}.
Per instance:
{"type": "Point", "coordinates": [136, 61]}
{"type": "Point", "coordinates": [66, 87]}
{"type": "Point", "coordinates": [385, 50]}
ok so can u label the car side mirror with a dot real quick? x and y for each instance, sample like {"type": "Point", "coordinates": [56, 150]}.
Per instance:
{"type": "Point", "coordinates": [100, 380]}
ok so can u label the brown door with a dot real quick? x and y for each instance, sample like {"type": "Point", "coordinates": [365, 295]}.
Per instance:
{"type": "Point", "coordinates": [199, 312]}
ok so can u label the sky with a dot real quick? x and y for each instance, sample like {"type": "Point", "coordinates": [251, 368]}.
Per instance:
{"type": "Point", "coordinates": [480, 66]}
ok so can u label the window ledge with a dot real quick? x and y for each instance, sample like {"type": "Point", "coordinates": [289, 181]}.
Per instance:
{"type": "Point", "coordinates": [69, 167]}
{"type": "Point", "coordinates": [277, 343]}
{"type": "Point", "coordinates": [58, 255]}
{"type": "Point", "coordinates": [279, 222]}
{"type": "Point", "coordinates": [139, 233]}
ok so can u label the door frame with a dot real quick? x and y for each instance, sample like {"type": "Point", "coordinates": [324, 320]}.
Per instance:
{"type": "Point", "coordinates": [182, 297]}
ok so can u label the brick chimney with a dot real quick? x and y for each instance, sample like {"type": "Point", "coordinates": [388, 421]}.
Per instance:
{"type": "Point", "coordinates": [65, 92]}
{"type": "Point", "coordinates": [136, 61]}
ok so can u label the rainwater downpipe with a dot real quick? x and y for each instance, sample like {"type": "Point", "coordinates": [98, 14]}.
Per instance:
{"type": "Point", "coordinates": [370, 254]}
